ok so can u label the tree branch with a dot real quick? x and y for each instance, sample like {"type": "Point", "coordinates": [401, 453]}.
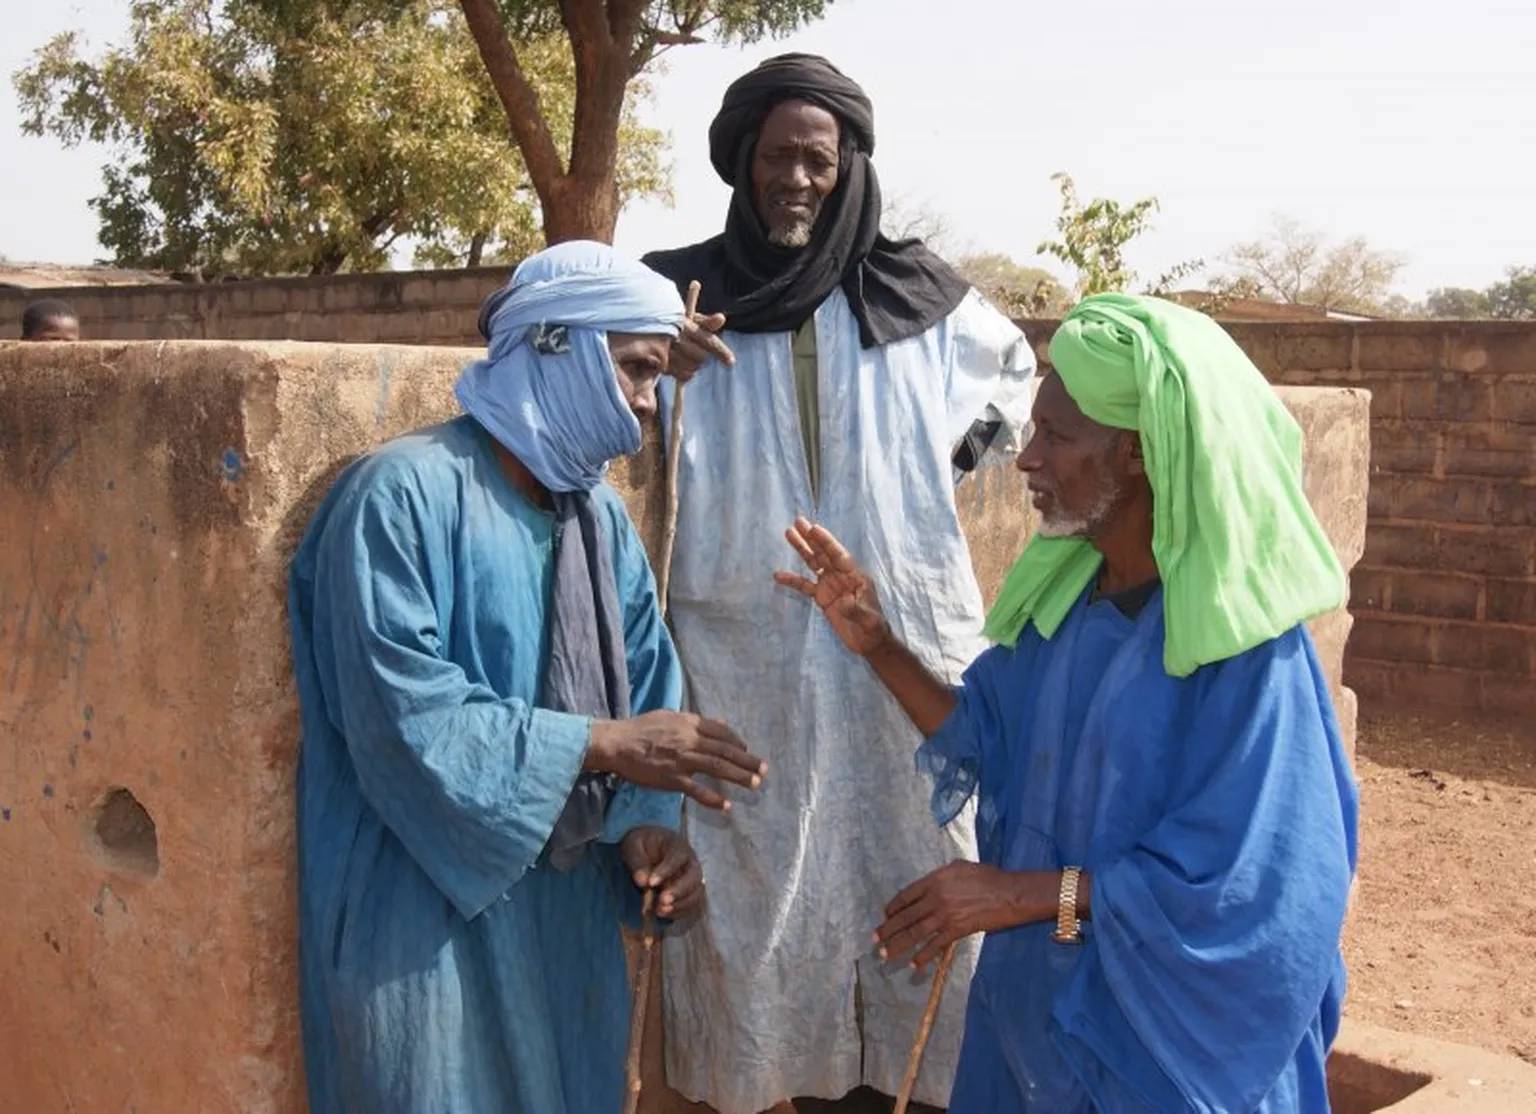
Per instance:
{"type": "Point", "coordinates": [517, 96]}
{"type": "Point", "coordinates": [675, 38]}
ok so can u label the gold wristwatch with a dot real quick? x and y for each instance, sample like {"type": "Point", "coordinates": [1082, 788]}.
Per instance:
{"type": "Point", "coordinates": [1069, 930]}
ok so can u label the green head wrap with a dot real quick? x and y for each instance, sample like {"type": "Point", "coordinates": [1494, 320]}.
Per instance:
{"type": "Point", "coordinates": [1241, 555]}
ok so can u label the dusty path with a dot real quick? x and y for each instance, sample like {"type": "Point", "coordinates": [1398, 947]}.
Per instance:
{"type": "Point", "coordinates": [1443, 938]}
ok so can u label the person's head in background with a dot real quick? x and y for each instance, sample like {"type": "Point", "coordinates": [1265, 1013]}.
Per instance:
{"type": "Point", "coordinates": [50, 319]}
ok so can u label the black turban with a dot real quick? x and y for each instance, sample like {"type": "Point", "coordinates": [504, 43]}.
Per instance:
{"type": "Point", "coordinates": [895, 289]}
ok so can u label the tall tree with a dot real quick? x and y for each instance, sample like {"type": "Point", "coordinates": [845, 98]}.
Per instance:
{"type": "Point", "coordinates": [246, 141]}
{"type": "Point", "coordinates": [1297, 265]}
{"type": "Point", "coordinates": [614, 42]}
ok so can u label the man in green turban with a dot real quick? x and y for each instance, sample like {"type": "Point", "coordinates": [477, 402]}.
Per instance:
{"type": "Point", "coordinates": [1165, 813]}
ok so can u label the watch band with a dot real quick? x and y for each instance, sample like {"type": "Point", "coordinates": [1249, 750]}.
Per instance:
{"type": "Point", "coordinates": [1069, 930]}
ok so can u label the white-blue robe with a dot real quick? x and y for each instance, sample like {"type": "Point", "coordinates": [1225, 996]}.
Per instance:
{"type": "Point", "coordinates": [762, 994]}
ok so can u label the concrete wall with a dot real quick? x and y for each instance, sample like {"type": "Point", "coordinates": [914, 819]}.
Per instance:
{"type": "Point", "coordinates": [150, 496]}
{"type": "Point", "coordinates": [1446, 594]}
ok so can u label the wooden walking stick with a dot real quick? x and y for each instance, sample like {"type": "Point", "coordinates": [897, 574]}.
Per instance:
{"type": "Point", "coordinates": [642, 999]}
{"type": "Point", "coordinates": [674, 454]}
{"type": "Point", "coordinates": [648, 903]}
{"type": "Point", "coordinates": [920, 1042]}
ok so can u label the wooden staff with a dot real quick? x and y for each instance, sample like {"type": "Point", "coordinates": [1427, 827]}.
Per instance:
{"type": "Point", "coordinates": [920, 1042]}
{"type": "Point", "coordinates": [664, 580]}
{"type": "Point", "coordinates": [674, 454]}
{"type": "Point", "coordinates": [642, 998]}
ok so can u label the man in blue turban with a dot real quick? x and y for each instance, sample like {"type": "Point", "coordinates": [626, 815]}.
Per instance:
{"type": "Point", "coordinates": [491, 767]}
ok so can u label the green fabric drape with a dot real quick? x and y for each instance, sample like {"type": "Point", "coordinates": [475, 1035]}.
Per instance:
{"type": "Point", "coordinates": [1241, 555]}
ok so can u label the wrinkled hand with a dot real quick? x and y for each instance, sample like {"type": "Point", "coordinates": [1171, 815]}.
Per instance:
{"type": "Point", "coordinates": [670, 750]}
{"type": "Point", "coordinates": [663, 860]}
{"type": "Point", "coordinates": [953, 902]}
{"type": "Point", "coordinates": [697, 345]}
{"type": "Point", "coordinates": [842, 590]}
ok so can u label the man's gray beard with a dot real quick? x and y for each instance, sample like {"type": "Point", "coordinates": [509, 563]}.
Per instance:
{"type": "Point", "coordinates": [1057, 525]}
{"type": "Point", "coordinates": [796, 235]}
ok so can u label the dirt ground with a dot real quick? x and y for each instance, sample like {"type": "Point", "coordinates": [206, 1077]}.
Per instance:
{"type": "Point", "coordinates": [1442, 939]}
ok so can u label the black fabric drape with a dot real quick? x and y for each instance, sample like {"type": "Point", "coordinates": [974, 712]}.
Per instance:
{"type": "Point", "coordinates": [896, 289]}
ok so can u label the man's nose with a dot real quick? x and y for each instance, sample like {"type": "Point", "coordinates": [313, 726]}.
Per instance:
{"type": "Point", "coordinates": [644, 403]}
{"type": "Point", "coordinates": [797, 176]}
{"type": "Point", "coordinates": [1028, 460]}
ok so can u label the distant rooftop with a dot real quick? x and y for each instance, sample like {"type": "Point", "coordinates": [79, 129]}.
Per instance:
{"type": "Point", "coordinates": [1255, 309]}
{"type": "Point", "coordinates": [45, 276]}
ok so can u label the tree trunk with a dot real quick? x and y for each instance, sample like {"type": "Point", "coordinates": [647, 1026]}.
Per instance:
{"type": "Point", "coordinates": [476, 249]}
{"type": "Point", "coordinates": [579, 201]}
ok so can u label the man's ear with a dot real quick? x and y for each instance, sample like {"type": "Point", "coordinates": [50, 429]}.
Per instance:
{"type": "Point", "coordinates": [1135, 465]}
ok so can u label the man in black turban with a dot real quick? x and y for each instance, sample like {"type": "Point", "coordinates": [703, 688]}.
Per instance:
{"type": "Point", "coordinates": [865, 378]}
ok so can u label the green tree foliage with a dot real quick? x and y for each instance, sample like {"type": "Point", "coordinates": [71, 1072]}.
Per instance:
{"type": "Point", "coordinates": [1512, 299]}
{"type": "Point", "coordinates": [1092, 237]}
{"type": "Point", "coordinates": [247, 143]}
{"type": "Point", "coordinates": [1456, 302]}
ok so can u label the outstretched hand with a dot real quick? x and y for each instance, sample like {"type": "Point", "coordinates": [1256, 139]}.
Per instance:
{"type": "Point", "coordinates": [843, 591]}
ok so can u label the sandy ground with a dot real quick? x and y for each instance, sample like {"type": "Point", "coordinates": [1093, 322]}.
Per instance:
{"type": "Point", "coordinates": [1442, 939]}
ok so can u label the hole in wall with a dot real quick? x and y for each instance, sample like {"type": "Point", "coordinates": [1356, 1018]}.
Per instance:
{"type": "Point", "coordinates": [122, 835]}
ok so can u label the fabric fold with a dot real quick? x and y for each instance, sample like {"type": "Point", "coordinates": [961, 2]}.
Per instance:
{"type": "Point", "coordinates": [1241, 555]}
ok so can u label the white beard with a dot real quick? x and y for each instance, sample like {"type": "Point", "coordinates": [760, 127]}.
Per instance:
{"type": "Point", "coordinates": [796, 235]}
{"type": "Point", "coordinates": [1057, 525]}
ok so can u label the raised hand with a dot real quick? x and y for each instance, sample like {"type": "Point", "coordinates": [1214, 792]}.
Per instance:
{"type": "Point", "coordinates": [697, 345]}
{"type": "Point", "coordinates": [842, 590]}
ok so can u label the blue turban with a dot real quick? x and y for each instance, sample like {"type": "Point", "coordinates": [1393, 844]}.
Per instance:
{"type": "Point", "coordinates": [548, 389]}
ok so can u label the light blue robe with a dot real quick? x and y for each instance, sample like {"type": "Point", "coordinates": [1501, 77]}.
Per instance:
{"type": "Point", "coordinates": [1217, 815]}
{"type": "Point", "coordinates": [446, 968]}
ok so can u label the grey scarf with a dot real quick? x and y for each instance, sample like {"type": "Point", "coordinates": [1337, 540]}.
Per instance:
{"type": "Point", "coordinates": [587, 674]}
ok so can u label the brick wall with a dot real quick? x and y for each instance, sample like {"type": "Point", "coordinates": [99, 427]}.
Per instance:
{"type": "Point", "coordinates": [1445, 599]}
{"type": "Point", "coordinates": [397, 307]}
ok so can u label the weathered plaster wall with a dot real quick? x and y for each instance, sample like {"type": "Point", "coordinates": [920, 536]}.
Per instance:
{"type": "Point", "coordinates": [1445, 594]}
{"type": "Point", "coordinates": [150, 495]}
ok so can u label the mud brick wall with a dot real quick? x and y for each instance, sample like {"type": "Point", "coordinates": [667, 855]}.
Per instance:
{"type": "Point", "coordinates": [396, 307]}
{"type": "Point", "coordinates": [1445, 595]}
{"type": "Point", "coordinates": [150, 498]}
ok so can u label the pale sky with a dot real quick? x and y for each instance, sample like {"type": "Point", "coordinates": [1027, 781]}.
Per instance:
{"type": "Point", "coordinates": [1412, 124]}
